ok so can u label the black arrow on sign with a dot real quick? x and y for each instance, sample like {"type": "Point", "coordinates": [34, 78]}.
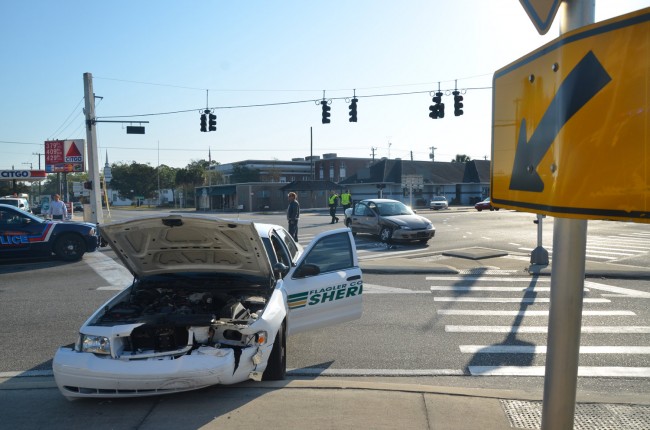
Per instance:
{"type": "Point", "coordinates": [580, 86]}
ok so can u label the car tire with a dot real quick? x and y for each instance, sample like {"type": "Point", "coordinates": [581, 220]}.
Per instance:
{"type": "Point", "coordinates": [276, 368]}
{"type": "Point", "coordinates": [479, 209]}
{"type": "Point", "coordinates": [491, 208]}
{"type": "Point", "coordinates": [386, 234]}
{"type": "Point", "coordinates": [70, 247]}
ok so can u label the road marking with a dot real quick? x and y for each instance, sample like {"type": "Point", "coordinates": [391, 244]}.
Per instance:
{"type": "Point", "coordinates": [117, 276]}
{"type": "Point", "coordinates": [584, 371]}
{"type": "Point", "coordinates": [313, 371]}
{"type": "Point", "coordinates": [511, 289]}
{"type": "Point", "coordinates": [541, 349]}
{"type": "Point", "coordinates": [618, 291]}
{"type": "Point", "coordinates": [509, 300]}
{"type": "Point", "coordinates": [544, 329]}
{"type": "Point", "coordinates": [26, 373]}
{"type": "Point", "coordinates": [484, 278]}
{"type": "Point", "coordinates": [472, 312]}
{"type": "Point", "coordinates": [380, 289]}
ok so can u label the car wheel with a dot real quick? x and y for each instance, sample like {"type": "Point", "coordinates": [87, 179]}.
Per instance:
{"type": "Point", "coordinates": [70, 247]}
{"type": "Point", "coordinates": [479, 209]}
{"type": "Point", "coordinates": [491, 208]}
{"type": "Point", "coordinates": [276, 368]}
{"type": "Point", "coordinates": [385, 234]}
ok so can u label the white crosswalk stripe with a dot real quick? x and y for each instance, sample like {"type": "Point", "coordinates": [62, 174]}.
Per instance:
{"type": "Point", "coordinates": [525, 337]}
{"type": "Point", "coordinates": [612, 247]}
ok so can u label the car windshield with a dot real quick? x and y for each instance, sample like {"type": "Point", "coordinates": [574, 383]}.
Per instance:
{"type": "Point", "coordinates": [393, 208]}
{"type": "Point", "coordinates": [439, 199]}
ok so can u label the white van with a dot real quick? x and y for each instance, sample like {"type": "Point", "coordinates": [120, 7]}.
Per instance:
{"type": "Point", "coordinates": [19, 202]}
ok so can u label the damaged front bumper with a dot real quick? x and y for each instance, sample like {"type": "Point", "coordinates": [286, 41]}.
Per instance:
{"type": "Point", "coordinates": [82, 374]}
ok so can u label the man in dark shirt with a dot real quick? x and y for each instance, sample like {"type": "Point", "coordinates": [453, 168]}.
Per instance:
{"type": "Point", "coordinates": [293, 213]}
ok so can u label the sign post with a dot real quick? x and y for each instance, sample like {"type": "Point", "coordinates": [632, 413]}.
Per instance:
{"type": "Point", "coordinates": [570, 139]}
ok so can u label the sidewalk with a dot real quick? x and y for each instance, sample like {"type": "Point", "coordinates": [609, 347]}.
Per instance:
{"type": "Point", "coordinates": [320, 403]}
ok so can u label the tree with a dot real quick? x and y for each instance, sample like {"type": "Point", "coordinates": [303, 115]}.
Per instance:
{"type": "Point", "coordinates": [191, 176]}
{"type": "Point", "coordinates": [243, 174]}
{"type": "Point", "coordinates": [167, 176]}
{"type": "Point", "coordinates": [461, 158]}
{"type": "Point", "coordinates": [134, 179]}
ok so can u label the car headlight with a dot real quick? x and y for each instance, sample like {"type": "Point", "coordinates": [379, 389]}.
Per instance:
{"type": "Point", "coordinates": [429, 226]}
{"type": "Point", "coordinates": [95, 344]}
{"type": "Point", "coordinates": [405, 227]}
{"type": "Point", "coordinates": [92, 232]}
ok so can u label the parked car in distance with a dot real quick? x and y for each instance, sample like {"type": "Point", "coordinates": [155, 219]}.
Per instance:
{"type": "Point", "coordinates": [24, 235]}
{"type": "Point", "coordinates": [391, 220]}
{"type": "Point", "coordinates": [485, 204]}
{"type": "Point", "coordinates": [438, 202]}
{"type": "Point", "coordinates": [19, 202]}
{"type": "Point", "coordinates": [77, 207]}
{"type": "Point", "coordinates": [212, 302]}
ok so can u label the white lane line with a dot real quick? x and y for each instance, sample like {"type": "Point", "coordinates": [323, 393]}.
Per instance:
{"type": "Point", "coordinates": [380, 289]}
{"type": "Point", "coordinates": [486, 278]}
{"type": "Point", "coordinates": [584, 371]}
{"type": "Point", "coordinates": [311, 371]}
{"type": "Point", "coordinates": [587, 255]}
{"type": "Point", "coordinates": [541, 349]}
{"type": "Point", "coordinates": [627, 292]}
{"type": "Point", "coordinates": [509, 300]}
{"type": "Point", "coordinates": [26, 373]}
{"type": "Point", "coordinates": [509, 289]}
{"type": "Point", "coordinates": [114, 273]}
{"type": "Point", "coordinates": [471, 312]}
{"type": "Point", "coordinates": [544, 329]}
{"type": "Point", "coordinates": [633, 248]}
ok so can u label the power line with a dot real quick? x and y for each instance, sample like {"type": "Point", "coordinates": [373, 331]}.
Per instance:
{"type": "Point", "coordinates": [66, 120]}
{"type": "Point", "coordinates": [279, 103]}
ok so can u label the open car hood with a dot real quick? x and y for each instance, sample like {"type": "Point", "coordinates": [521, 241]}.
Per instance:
{"type": "Point", "coordinates": [187, 243]}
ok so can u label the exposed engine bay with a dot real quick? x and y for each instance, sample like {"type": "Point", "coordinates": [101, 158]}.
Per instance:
{"type": "Point", "coordinates": [172, 318]}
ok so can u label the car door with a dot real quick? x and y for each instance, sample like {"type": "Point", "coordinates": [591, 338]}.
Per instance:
{"type": "Point", "coordinates": [19, 234]}
{"type": "Point", "coordinates": [325, 287]}
{"type": "Point", "coordinates": [364, 219]}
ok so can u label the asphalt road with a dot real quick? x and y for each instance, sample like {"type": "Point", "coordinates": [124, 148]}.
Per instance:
{"type": "Point", "coordinates": [413, 327]}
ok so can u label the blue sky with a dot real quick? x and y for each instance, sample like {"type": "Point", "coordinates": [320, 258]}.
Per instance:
{"type": "Point", "coordinates": [150, 57]}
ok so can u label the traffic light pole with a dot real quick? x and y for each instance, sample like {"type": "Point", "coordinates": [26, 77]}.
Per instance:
{"type": "Point", "coordinates": [567, 287]}
{"type": "Point", "coordinates": [96, 214]}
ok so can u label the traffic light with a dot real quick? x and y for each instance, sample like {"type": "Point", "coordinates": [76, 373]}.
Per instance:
{"type": "Point", "coordinates": [440, 104]}
{"type": "Point", "coordinates": [326, 112]}
{"type": "Point", "coordinates": [353, 110]}
{"type": "Point", "coordinates": [213, 122]}
{"type": "Point", "coordinates": [438, 108]}
{"type": "Point", "coordinates": [204, 122]}
{"type": "Point", "coordinates": [458, 105]}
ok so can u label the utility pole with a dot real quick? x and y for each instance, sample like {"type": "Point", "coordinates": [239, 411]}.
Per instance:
{"type": "Point", "coordinates": [96, 214]}
{"type": "Point", "coordinates": [431, 155]}
{"type": "Point", "coordinates": [39, 168]}
{"type": "Point", "coordinates": [373, 149]}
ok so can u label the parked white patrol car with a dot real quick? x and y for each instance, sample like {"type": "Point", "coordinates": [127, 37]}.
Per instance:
{"type": "Point", "coordinates": [211, 303]}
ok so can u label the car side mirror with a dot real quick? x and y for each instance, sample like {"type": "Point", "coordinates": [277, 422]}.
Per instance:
{"type": "Point", "coordinates": [281, 269]}
{"type": "Point", "coordinates": [307, 270]}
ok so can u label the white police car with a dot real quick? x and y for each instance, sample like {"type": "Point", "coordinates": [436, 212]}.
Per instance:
{"type": "Point", "coordinates": [212, 302]}
{"type": "Point", "coordinates": [23, 235]}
